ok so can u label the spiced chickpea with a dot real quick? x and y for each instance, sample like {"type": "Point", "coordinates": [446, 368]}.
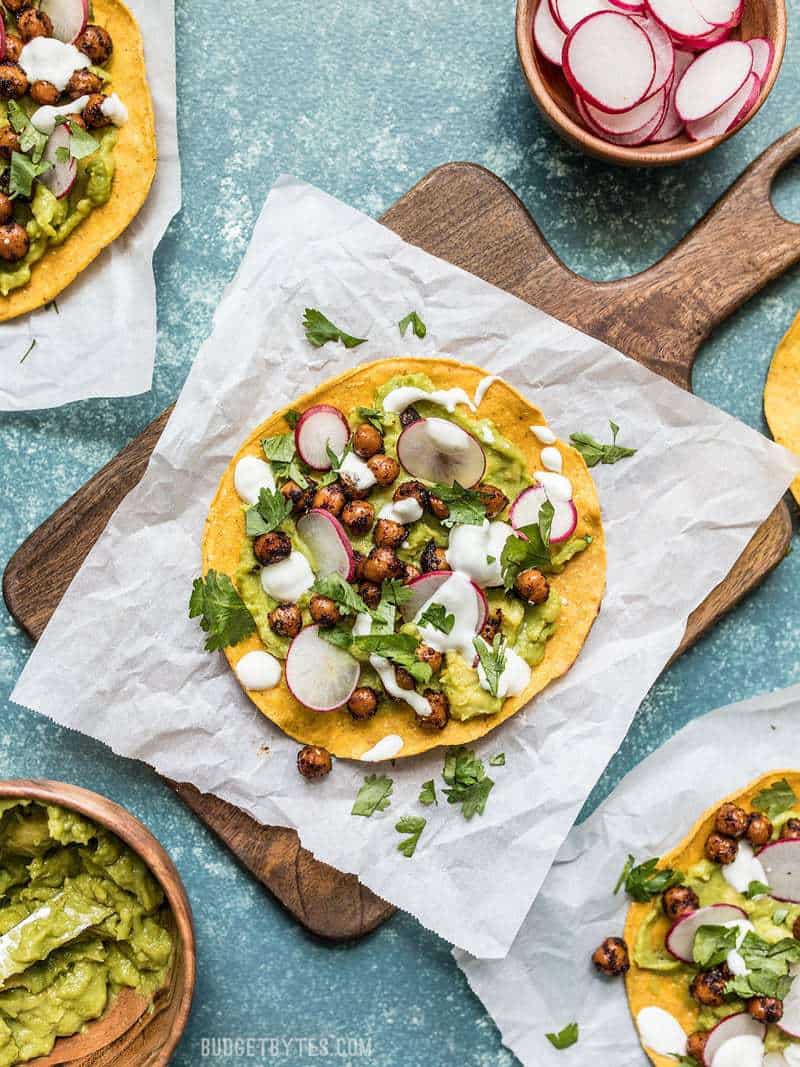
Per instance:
{"type": "Point", "coordinates": [493, 625]}
{"type": "Point", "coordinates": [14, 46]}
{"type": "Point", "coordinates": [411, 572]}
{"type": "Point", "coordinates": [9, 142]}
{"type": "Point", "coordinates": [431, 656]}
{"type": "Point", "coordinates": [381, 565]}
{"type": "Point", "coordinates": [492, 498]}
{"type": "Point", "coordinates": [412, 491]}
{"type": "Point", "coordinates": [45, 94]}
{"type": "Point", "coordinates": [96, 43]}
{"type": "Point", "coordinates": [6, 209]}
{"type": "Point", "coordinates": [796, 929]}
{"type": "Point", "coordinates": [272, 547]}
{"type": "Point", "coordinates": [408, 416]}
{"type": "Point", "coordinates": [433, 558]}
{"type": "Point", "coordinates": [367, 440]}
{"type": "Point", "coordinates": [389, 534]}
{"type": "Point", "coordinates": [93, 114]}
{"type": "Point", "coordinates": [790, 831]}
{"type": "Point", "coordinates": [14, 83]}
{"type": "Point", "coordinates": [440, 711]}
{"type": "Point", "coordinates": [314, 762]}
{"type": "Point", "coordinates": [384, 469]}
{"type": "Point", "coordinates": [286, 620]}
{"type": "Point", "coordinates": [708, 987]}
{"type": "Point", "coordinates": [437, 507]}
{"type": "Point", "coordinates": [324, 610]}
{"type": "Point", "coordinates": [363, 703]}
{"type": "Point", "coordinates": [731, 820]}
{"type": "Point", "coordinates": [532, 586]}
{"type": "Point", "coordinates": [330, 498]}
{"type": "Point", "coordinates": [83, 83]}
{"type": "Point", "coordinates": [759, 830]}
{"type": "Point", "coordinates": [34, 23]}
{"type": "Point", "coordinates": [358, 516]}
{"type": "Point", "coordinates": [696, 1045]}
{"type": "Point", "coordinates": [721, 849]}
{"type": "Point", "coordinates": [370, 593]}
{"type": "Point", "coordinates": [679, 900]}
{"type": "Point", "coordinates": [14, 242]}
{"type": "Point", "coordinates": [16, 6]}
{"type": "Point", "coordinates": [767, 1010]}
{"type": "Point", "coordinates": [612, 958]}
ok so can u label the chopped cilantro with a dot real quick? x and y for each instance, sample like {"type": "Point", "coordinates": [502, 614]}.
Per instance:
{"type": "Point", "coordinates": [29, 349]}
{"type": "Point", "coordinates": [395, 592]}
{"type": "Point", "coordinates": [436, 616]}
{"type": "Point", "coordinates": [341, 592]}
{"type": "Point", "coordinates": [374, 417]}
{"type": "Point", "coordinates": [646, 881]}
{"type": "Point", "coordinates": [546, 513]}
{"type": "Point", "coordinates": [465, 505]}
{"type": "Point", "coordinates": [493, 660]}
{"type": "Point", "coordinates": [341, 636]}
{"type": "Point", "coordinates": [427, 794]}
{"type": "Point", "coordinates": [776, 799]}
{"type": "Point", "coordinates": [412, 319]}
{"type": "Point", "coordinates": [401, 649]}
{"type": "Point", "coordinates": [413, 825]}
{"type": "Point", "coordinates": [292, 417]}
{"type": "Point", "coordinates": [373, 795]}
{"type": "Point", "coordinates": [32, 142]}
{"type": "Point", "coordinates": [320, 330]}
{"type": "Point", "coordinates": [498, 761]}
{"type": "Point", "coordinates": [466, 778]}
{"type": "Point", "coordinates": [768, 968]}
{"type": "Point", "coordinates": [565, 1038]}
{"type": "Point", "coordinates": [23, 174]}
{"type": "Point", "coordinates": [520, 553]}
{"type": "Point", "coordinates": [757, 889]}
{"type": "Point", "coordinates": [280, 448]}
{"type": "Point", "coordinates": [712, 944]}
{"type": "Point", "coordinates": [267, 515]}
{"type": "Point", "coordinates": [81, 142]}
{"type": "Point", "coordinates": [222, 612]}
{"type": "Point", "coordinates": [337, 461]}
{"type": "Point", "coordinates": [593, 452]}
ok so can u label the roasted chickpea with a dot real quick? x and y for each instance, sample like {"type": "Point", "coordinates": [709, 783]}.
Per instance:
{"type": "Point", "coordinates": [492, 498]}
{"type": "Point", "coordinates": [34, 23]}
{"type": "Point", "coordinates": [358, 516]}
{"type": "Point", "coordinates": [351, 490]}
{"type": "Point", "coordinates": [611, 958]}
{"type": "Point", "coordinates": [93, 114]}
{"type": "Point", "coordinates": [6, 209]}
{"type": "Point", "coordinates": [13, 47]}
{"type": "Point", "coordinates": [437, 507]}
{"type": "Point", "coordinates": [765, 1009]}
{"type": "Point", "coordinates": [44, 93]}
{"type": "Point", "coordinates": [759, 830]}
{"type": "Point", "coordinates": [708, 987]}
{"type": "Point", "coordinates": [796, 929]}
{"type": "Point", "coordinates": [324, 610]}
{"type": "Point", "coordinates": [380, 565]}
{"type": "Point", "coordinates": [292, 492]}
{"type": "Point", "coordinates": [408, 416]}
{"type": "Point", "coordinates": [731, 820]}
{"type": "Point", "coordinates": [83, 83]}
{"type": "Point", "coordinates": [440, 711]}
{"type": "Point", "coordinates": [14, 83]}
{"type": "Point", "coordinates": [9, 142]}
{"type": "Point", "coordinates": [696, 1044]}
{"type": "Point", "coordinates": [363, 703]}
{"type": "Point", "coordinates": [433, 558]}
{"type": "Point", "coordinates": [272, 547]}
{"type": "Point", "coordinates": [431, 656]}
{"type": "Point", "coordinates": [404, 678]}
{"type": "Point", "coordinates": [721, 849]}
{"type": "Point", "coordinates": [286, 620]}
{"type": "Point", "coordinates": [370, 593]}
{"type": "Point", "coordinates": [492, 626]}
{"type": "Point", "coordinates": [96, 43]}
{"type": "Point", "coordinates": [790, 831]}
{"type": "Point", "coordinates": [314, 762]}
{"type": "Point", "coordinates": [532, 586]}
{"type": "Point", "coordinates": [76, 120]}
{"type": "Point", "coordinates": [330, 498]}
{"type": "Point", "coordinates": [14, 242]}
{"type": "Point", "coordinates": [367, 440]}
{"type": "Point", "coordinates": [411, 572]}
{"type": "Point", "coordinates": [679, 900]}
{"type": "Point", "coordinates": [15, 6]}
{"type": "Point", "coordinates": [389, 534]}
{"type": "Point", "coordinates": [384, 468]}
{"type": "Point", "coordinates": [413, 491]}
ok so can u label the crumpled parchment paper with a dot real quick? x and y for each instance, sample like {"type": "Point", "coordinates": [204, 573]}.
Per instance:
{"type": "Point", "coordinates": [547, 979]}
{"type": "Point", "coordinates": [79, 353]}
{"type": "Point", "coordinates": [122, 661]}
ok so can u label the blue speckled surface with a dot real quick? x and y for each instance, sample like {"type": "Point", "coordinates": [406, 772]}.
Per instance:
{"type": "Point", "coordinates": [363, 99]}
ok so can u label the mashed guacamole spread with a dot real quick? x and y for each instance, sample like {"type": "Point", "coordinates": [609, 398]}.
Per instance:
{"type": "Point", "coordinates": [81, 918]}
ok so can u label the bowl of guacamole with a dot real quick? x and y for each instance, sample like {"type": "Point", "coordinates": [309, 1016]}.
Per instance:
{"type": "Point", "coordinates": [96, 939]}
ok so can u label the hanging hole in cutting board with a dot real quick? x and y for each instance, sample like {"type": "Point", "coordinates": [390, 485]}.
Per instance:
{"type": "Point", "coordinates": [785, 192]}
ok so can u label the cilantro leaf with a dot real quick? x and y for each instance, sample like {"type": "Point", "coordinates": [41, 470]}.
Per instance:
{"type": "Point", "coordinates": [757, 889]}
{"type": "Point", "coordinates": [62, 155]}
{"type": "Point", "coordinates": [341, 592]}
{"type": "Point", "coordinates": [23, 174]}
{"type": "Point", "coordinates": [436, 616]}
{"type": "Point", "coordinates": [292, 417]}
{"type": "Point", "coordinates": [412, 319]}
{"type": "Point", "coordinates": [546, 513]}
{"type": "Point", "coordinates": [32, 142]}
{"type": "Point", "coordinates": [395, 592]}
{"type": "Point", "coordinates": [712, 944]}
{"type": "Point", "coordinates": [374, 417]}
{"type": "Point", "coordinates": [427, 794]}
{"type": "Point", "coordinates": [776, 799]}
{"type": "Point", "coordinates": [320, 330]}
{"type": "Point", "coordinates": [280, 448]}
{"type": "Point", "coordinates": [768, 968]}
{"type": "Point", "coordinates": [339, 635]}
{"type": "Point", "coordinates": [81, 142]}
{"type": "Point", "coordinates": [626, 870]}
{"type": "Point", "coordinates": [413, 825]}
{"type": "Point", "coordinates": [646, 881]}
{"type": "Point", "coordinates": [465, 505]}
{"type": "Point", "coordinates": [337, 461]}
{"type": "Point", "coordinates": [492, 659]}
{"type": "Point", "coordinates": [373, 795]}
{"type": "Point", "coordinates": [498, 761]}
{"type": "Point", "coordinates": [29, 349]}
{"type": "Point", "coordinates": [222, 612]}
{"type": "Point", "coordinates": [267, 515]}
{"type": "Point", "coordinates": [520, 553]}
{"type": "Point", "coordinates": [401, 649]}
{"type": "Point", "coordinates": [565, 1038]}
{"type": "Point", "coordinates": [593, 452]}
{"type": "Point", "coordinates": [466, 778]}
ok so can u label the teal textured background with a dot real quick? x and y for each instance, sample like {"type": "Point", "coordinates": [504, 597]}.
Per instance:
{"type": "Point", "coordinates": [362, 99]}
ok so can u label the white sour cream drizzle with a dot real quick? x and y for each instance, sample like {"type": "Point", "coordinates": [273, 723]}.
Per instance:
{"type": "Point", "coordinates": [744, 869]}
{"type": "Point", "coordinates": [386, 748]}
{"type": "Point", "coordinates": [471, 547]}
{"type": "Point", "coordinates": [746, 1050]}
{"type": "Point", "coordinates": [447, 437]}
{"type": "Point", "coordinates": [399, 399]}
{"type": "Point", "coordinates": [258, 670]}
{"type": "Point", "coordinates": [46, 59]}
{"type": "Point", "coordinates": [250, 476]}
{"type": "Point", "coordinates": [556, 486]}
{"type": "Point", "coordinates": [482, 388]}
{"type": "Point", "coordinates": [357, 472]}
{"type": "Point", "coordinates": [544, 435]}
{"type": "Point", "coordinates": [288, 579]}
{"type": "Point", "coordinates": [661, 1032]}
{"type": "Point", "coordinates": [458, 597]}
{"type": "Point", "coordinates": [401, 511]}
{"type": "Point", "coordinates": [514, 679]}
{"type": "Point", "coordinates": [552, 459]}
{"type": "Point", "coordinates": [735, 960]}
{"type": "Point", "coordinates": [45, 118]}
{"type": "Point", "coordinates": [385, 672]}
{"type": "Point", "coordinates": [114, 110]}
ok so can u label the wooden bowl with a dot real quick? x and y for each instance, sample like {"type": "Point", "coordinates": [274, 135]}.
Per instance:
{"type": "Point", "coordinates": [127, 1033]}
{"type": "Point", "coordinates": [549, 88]}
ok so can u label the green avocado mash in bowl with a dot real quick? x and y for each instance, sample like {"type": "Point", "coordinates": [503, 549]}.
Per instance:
{"type": "Point", "coordinates": [96, 940]}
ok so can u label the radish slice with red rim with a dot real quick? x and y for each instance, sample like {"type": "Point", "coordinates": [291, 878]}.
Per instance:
{"type": "Point", "coordinates": [321, 676]}
{"type": "Point", "coordinates": [679, 16]}
{"type": "Point", "coordinates": [628, 121]}
{"type": "Point", "coordinates": [680, 937]}
{"type": "Point", "coordinates": [62, 174]}
{"type": "Point", "coordinates": [320, 427]}
{"type": "Point", "coordinates": [568, 13]}
{"type": "Point", "coordinates": [739, 1025]}
{"type": "Point", "coordinates": [328, 543]}
{"type": "Point", "coordinates": [763, 54]}
{"type": "Point", "coordinates": [632, 7]}
{"type": "Point", "coordinates": [69, 17]}
{"type": "Point", "coordinates": [525, 512]}
{"type": "Point", "coordinates": [713, 79]}
{"type": "Point", "coordinates": [700, 44]}
{"type": "Point", "coordinates": [790, 1022]}
{"type": "Point", "coordinates": [726, 13]}
{"type": "Point", "coordinates": [663, 50]}
{"type": "Point", "coordinates": [547, 35]}
{"type": "Point", "coordinates": [781, 863]}
{"type": "Point", "coordinates": [625, 140]}
{"type": "Point", "coordinates": [729, 115]}
{"type": "Point", "coordinates": [437, 450]}
{"type": "Point", "coordinates": [425, 587]}
{"type": "Point", "coordinates": [609, 61]}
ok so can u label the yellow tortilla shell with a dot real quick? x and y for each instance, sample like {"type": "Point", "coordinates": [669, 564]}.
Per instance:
{"type": "Point", "coordinates": [135, 157]}
{"type": "Point", "coordinates": [646, 988]}
{"type": "Point", "coordinates": [782, 395]}
{"type": "Point", "coordinates": [582, 583]}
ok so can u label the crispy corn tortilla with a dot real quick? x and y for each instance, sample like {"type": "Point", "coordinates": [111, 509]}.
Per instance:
{"type": "Point", "coordinates": [646, 988]}
{"type": "Point", "coordinates": [582, 583]}
{"type": "Point", "coordinates": [782, 395]}
{"type": "Point", "coordinates": [135, 157]}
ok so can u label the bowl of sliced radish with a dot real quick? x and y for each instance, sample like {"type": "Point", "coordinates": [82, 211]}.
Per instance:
{"type": "Point", "coordinates": [650, 82]}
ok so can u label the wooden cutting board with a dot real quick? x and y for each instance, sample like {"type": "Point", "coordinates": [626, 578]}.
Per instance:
{"type": "Point", "coordinates": [468, 216]}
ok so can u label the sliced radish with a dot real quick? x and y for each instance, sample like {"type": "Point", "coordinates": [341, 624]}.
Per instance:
{"type": "Point", "coordinates": [713, 79]}
{"type": "Point", "coordinates": [626, 140]}
{"type": "Point", "coordinates": [320, 675]}
{"type": "Point", "coordinates": [781, 863]}
{"type": "Point", "coordinates": [739, 1025]}
{"type": "Point", "coordinates": [322, 425]}
{"type": "Point", "coordinates": [673, 123]}
{"type": "Point", "coordinates": [437, 450]}
{"type": "Point", "coordinates": [425, 588]}
{"type": "Point", "coordinates": [628, 121]}
{"type": "Point", "coordinates": [525, 512]}
{"type": "Point", "coordinates": [679, 16]}
{"type": "Point", "coordinates": [568, 13]}
{"type": "Point", "coordinates": [69, 17]}
{"type": "Point", "coordinates": [790, 1022]}
{"type": "Point", "coordinates": [2, 39]}
{"type": "Point", "coordinates": [547, 34]}
{"type": "Point", "coordinates": [609, 61]}
{"type": "Point", "coordinates": [631, 6]}
{"type": "Point", "coordinates": [763, 54]}
{"type": "Point", "coordinates": [62, 174]}
{"type": "Point", "coordinates": [328, 543]}
{"type": "Point", "coordinates": [681, 935]}
{"type": "Point", "coordinates": [725, 13]}
{"type": "Point", "coordinates": [663, 50]}
{"type": "Point", "coordinates": [729, 115]}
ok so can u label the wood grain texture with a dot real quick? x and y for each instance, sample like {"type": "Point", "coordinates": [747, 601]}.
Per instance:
{"type": "Point", "coordinates": [466, 215]}
{"type": "Point", "coordinates": [129, 1032]}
